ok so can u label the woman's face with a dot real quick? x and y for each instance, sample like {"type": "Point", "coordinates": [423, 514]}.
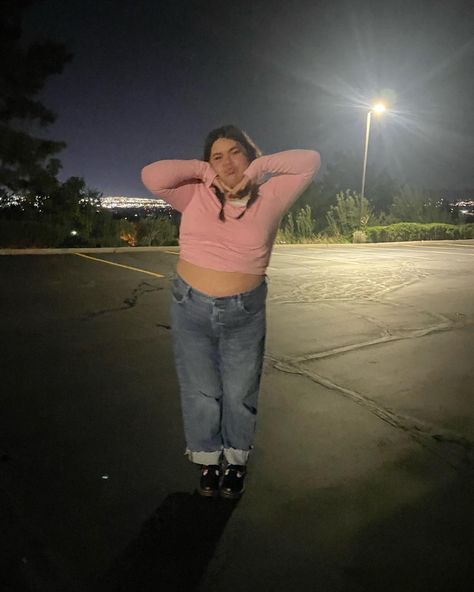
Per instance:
{"type": "Point", "coordinates": [229, 160]}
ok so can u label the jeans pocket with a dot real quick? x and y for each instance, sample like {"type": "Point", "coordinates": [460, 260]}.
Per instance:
{"type": "Point", "coordinates": [253, 302]}
{"type": "Point", "coordinates": [179, 293]}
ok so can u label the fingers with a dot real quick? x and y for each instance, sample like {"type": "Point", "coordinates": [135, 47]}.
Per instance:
{"type": "Point", "coordinates": [222, 186]}
{"type": "Point", "coordinates": [227, 188]}
{"type": "Point", "coordinates": [242, 189]}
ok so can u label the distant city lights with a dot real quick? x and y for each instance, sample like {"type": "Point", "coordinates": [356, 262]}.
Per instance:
{"type": "Point", "coordinates": [112, 203]}
{"type": "Point", "coordinates": [123, 206]}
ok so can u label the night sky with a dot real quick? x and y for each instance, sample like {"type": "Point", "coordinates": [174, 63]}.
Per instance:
{"type": "Point", "coordinates": [150, 79]}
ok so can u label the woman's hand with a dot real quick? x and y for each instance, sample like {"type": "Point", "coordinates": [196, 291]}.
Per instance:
{"type": "Point", "coordinates": [221, 186]}
{"type": "Point", "coordinates": [239, 191]}
{"type": "Point", "coordinates": [242, 189]}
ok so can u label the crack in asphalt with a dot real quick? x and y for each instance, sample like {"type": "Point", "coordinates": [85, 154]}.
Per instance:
{"type": "Point", "coordinates": [429, 436]}
{"type": "Point", "coordinates": [388, 337]}
{"type": "Point", "coordinates": [343, 286]}
{"type": "Point", "coordinates": [373, 285]}
{"type": "Point", "coordinates": [446, 323]}
{"type": "Point", "coordinates": [130, 302]}
{"type": "Point", "coordinates": [381, 324]}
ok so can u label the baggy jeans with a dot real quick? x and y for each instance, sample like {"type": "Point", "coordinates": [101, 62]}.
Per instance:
{"type": "Point", "coordinates": [218, 345]}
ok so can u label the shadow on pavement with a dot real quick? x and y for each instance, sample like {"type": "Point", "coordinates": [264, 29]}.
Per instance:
{"type": "Point", "coordinates": [27, 563]}
{"type": "Point", "coordinates": [173, 548]}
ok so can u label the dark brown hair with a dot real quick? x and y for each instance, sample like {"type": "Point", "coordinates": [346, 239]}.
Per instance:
{"type": "Point", "coordinates": [232, 133]}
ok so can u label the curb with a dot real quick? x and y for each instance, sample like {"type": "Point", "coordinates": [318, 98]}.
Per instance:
{"type": "Point", "coordinates": [69, 251]}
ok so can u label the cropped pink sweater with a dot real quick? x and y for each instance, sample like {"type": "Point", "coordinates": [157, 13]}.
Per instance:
{"type": "Point", "coordinates": [236, 244]}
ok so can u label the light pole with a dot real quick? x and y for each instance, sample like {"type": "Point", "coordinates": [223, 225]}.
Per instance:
{"type": "Point", "coordinates": [378, 108]}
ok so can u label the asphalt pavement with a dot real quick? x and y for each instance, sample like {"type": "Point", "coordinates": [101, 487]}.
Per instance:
{"type": "Point", "coordinates": [361, 478]}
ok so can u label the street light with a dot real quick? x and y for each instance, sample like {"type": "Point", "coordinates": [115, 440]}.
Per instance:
{"type": "Point", "coordinates": [378, 108]}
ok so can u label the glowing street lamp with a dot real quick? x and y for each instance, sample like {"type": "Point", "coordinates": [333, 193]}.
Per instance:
{"type": "Point", "coordinates": [378, 109]}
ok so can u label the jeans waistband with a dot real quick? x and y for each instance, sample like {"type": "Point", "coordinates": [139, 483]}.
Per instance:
{"type": "Point", "coordinates": [207, 297]}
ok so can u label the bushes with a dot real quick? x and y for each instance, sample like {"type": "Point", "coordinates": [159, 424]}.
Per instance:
{"type": "Point", "coordinates": [359, 236]}
{"type": "Point", "coordinates": [298, 228]}
{"type": "Point", "coordinates": [352, 212]}
{"type": "Point", "coordinates": [48, 232]}
{"type": "Point", "coordinates": [413, 231]}
{"type": "Point", "coordinates": [156, 231]}
{"type": "Point", "coordinates": [19, 234]}
{"type": "Point", "coordinates": [300, 232]}
{"type": "Point", "coordinates": [99, 229]}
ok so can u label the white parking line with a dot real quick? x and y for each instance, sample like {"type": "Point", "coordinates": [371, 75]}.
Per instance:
{"type": "Point", "coordinates": [414, 252]}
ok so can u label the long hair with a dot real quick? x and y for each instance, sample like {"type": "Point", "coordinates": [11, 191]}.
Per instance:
{"type": "Point", "coordinates": [252, 152]}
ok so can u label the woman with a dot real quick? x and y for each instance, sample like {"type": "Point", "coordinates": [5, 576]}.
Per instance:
{"type": "Point", "coordinates": [231, 203]}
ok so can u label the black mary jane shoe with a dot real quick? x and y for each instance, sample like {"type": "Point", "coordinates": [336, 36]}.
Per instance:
{"type": "Point", "coordinates": [209, 482]}
{"type": "Point", "coordinates": [232, 486]}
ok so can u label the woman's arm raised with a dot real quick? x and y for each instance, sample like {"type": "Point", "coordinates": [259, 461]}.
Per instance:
{"type": "Point", "coordinates": [285, 174]}
{"type": "Point", "coordinates": [174, 180]}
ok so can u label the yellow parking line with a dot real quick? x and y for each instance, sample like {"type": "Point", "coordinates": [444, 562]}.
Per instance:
{"type": "Point", "coordinates": [120, 265]}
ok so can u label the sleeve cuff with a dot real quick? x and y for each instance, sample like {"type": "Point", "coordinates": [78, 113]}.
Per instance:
{"type": "Point", "coordinates": [208, 174]}
{"type": "Point", "coordinates": [256, 171]}
{"type": "Point", "coordinates": [251, 173]}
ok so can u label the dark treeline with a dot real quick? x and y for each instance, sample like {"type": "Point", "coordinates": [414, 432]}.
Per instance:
{"type": "Point", "coordinates": [51, 213]}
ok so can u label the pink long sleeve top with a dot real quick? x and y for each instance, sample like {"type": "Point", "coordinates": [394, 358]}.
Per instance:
{"type": "Point", "coordinates": [237, 244]}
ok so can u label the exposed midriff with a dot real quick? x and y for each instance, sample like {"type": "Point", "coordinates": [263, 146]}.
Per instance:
{"type": "Point", "coordinates": [217, 283]}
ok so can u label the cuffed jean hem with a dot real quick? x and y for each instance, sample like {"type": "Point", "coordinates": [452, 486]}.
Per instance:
{"type": "Point", "coordinates": [232, 456]}
{"type": "Point", "coordinates": [236, 457]}
{"type": "Point", "coordinates": [204, 458]}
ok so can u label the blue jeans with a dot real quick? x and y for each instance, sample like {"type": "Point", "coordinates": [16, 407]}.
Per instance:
{"type": "Point", "coordinates": [218, 345]}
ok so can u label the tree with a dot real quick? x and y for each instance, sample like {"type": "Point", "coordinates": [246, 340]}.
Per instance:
{"type": "Point", "coordinates": [381, 189]}
{"type": "Point", "coordinates": [416, 205]}
{"type": "Point", "coordinates": [344, 173]}
{"type": "Point", "coordinates": [155, 230]}
{"type": "Point", "coordinates": [28, 165]}
{"type": "Point", "coordinates": [72, 203]}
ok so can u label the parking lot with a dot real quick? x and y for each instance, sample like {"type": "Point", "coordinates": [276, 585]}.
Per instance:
{"type": "Point", "coordinates": [362, 474]}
